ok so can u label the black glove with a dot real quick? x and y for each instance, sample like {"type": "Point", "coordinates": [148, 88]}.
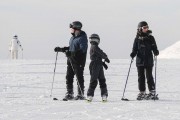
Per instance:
{"type": "Point", "coordinates": [105, 66]}
{"type": "Point", "coordinates": [107, 60]}
{"type": "Point", "coordinates": [133, 55]}
{"type": "Point", "coordinates": [156, 53]}
{"type": "Point", "coordinates": [57, 49]}
{"type": "Point", "coordinates": [68, 54]}
{"type": "Point", "coordinates": [63, 49]}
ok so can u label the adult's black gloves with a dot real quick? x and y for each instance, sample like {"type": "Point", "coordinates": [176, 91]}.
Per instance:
{"type": "Point", "coordinates": [63, 49]}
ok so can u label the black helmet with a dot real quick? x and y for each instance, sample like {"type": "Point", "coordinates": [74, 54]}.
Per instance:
{"type": "Point", "coordinates": [76, 25]}
{"type": "Point", "coordinates": [94, 38]}
{"type": "Point", "coordinates": [142, 23]}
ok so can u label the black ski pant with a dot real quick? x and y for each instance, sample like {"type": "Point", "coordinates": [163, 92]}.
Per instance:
{"type": "Point", "coordinates": [78, 71]}
{"type": "Point", "coordinates": [142, 72]}
{"type": "Point", "coordinates": [97, 73]}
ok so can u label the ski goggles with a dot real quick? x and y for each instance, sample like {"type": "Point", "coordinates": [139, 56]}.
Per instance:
{"type": "Point", "coordinates": [145, 27]}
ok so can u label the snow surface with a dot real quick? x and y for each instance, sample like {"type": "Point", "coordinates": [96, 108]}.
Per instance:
{"type": "Point", "coordinates": [25, 93]}
{"type": "Point", "coordinates": [171, 52]}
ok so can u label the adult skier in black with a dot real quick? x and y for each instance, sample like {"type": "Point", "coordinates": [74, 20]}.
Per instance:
{"type": "Point", "coordinates": [144, 45]}
{"type": "Point", "coordinates": [96, 69]}
{"type": "Point", "coordinates": [76, 59]}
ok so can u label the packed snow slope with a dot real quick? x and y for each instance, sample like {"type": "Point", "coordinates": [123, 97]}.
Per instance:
{"type": "Point", "coordinates": [171, 52]}
{"type": "Point", "coordinates": [25, 87]}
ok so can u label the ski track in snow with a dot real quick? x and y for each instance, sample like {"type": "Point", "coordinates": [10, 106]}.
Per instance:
{"type": "Point", "coordinates": [25, 93]}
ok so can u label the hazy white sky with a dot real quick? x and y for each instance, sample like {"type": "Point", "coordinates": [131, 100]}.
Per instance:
{"type": "Point", "coordinates": [43, 24]}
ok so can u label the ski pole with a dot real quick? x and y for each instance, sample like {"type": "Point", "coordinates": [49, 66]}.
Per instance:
{"type": "Point", "coordinates": [54, 74]}
{"type": "Point", "coordinates": [76, 77]}
{"type": "Point", "coordinates": [125, 99]}
{"type": "Point", "coordinates": [155, 59]}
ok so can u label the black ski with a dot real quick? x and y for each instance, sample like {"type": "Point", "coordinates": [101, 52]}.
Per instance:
{"type": "Point", "coordinates": [65, 99]}
{"type": "Point", "coordinates": [55, 99]}
{"type": "Point", "coordinates": [142, 99]}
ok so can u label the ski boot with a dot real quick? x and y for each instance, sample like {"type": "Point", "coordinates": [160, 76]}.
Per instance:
{"type": "Point", "coordinates": [79, 97]}
{"type": "Point", "coordinates": [104, 98]}
{"type": "Point", "coordinates": [152, 96]}
{"type": "Point", "coordinates": [89, 98]}
{"type": "Point", "coordinates": [68, 96]}
{"type": "Point", "coordinates": [141, 96]}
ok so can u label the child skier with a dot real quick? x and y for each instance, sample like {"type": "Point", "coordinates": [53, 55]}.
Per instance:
{"type": "Point", "coordinates": [144, 45]}
{"type": "Point", "coordinates": [96, 69]}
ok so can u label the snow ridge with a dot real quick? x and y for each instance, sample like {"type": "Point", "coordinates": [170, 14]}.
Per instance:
{"type": "Point", "coordinates": [171, 52]}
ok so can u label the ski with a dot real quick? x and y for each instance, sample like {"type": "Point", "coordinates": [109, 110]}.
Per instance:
{"type": "Point", "coordinates": [55, 99]}
{"type": "Point", "coordinates": [124, 99]}
{"type": "Point", "coordinates": [67, 99]}
{"type": "Point", "coordinates": [89, 101]}
{"type": "Point", "coordinates": [64, 99]}
{"type": "Point", "coordinates": [89, 98]}
{"type": "Point", "coordinates": [104, 101]}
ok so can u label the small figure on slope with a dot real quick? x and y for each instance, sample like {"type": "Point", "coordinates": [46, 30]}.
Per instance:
{"type": "Point", "coordinates": [96, 69]}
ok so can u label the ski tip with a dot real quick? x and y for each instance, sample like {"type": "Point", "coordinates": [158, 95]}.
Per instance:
{"type": "Point", "coordinates": [55, 99]}
{"type": "Point", "coordinates": [104, 101]}
{"type": "Point", "coordinates": [124, 99]}
{"type": "Point", "coordinates": [65, 99]}
{"type": "Point", "coordinates": [88, 101]}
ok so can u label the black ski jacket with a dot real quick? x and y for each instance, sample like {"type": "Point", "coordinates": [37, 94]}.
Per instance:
{"type": "Point", "coordinates": [78, 46]}
{"type": "Point", "coordinates": [143, 47]}
{"type": "Point", "coordinates": [96, 54]}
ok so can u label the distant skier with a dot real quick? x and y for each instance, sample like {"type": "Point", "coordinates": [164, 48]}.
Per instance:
{"type": "Point", "coordinates": [76, 54]}
{"type": "Point", "coordinates": [13, 47]}
{"type": "Point", "coordinates": [96, 69]}
{"type": "Point", "coordinates": [144, 45]}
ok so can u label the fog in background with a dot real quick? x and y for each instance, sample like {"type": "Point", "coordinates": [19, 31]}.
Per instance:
{"type": "Point", "coordinates": [43, 24]}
